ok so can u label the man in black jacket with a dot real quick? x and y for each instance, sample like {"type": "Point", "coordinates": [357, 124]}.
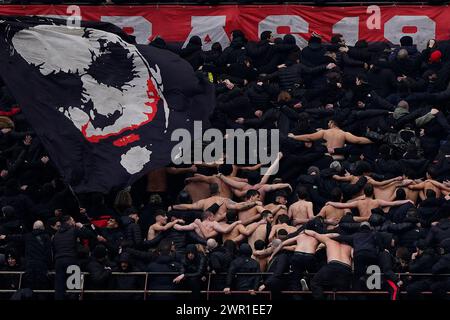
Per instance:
{"type": "Point", "coordinates": [422, 261]}
{"type": "Point", "coordinates": [65, 250]}
{"type": "Point", "coordinates": [133, 231]}
{"type": "Point", "coordinates": [99, 270]}
{"type": "Point", "coordinates": [442, 286]}
{"type": "Point", "coordinates": [38, 255]}
{"type": "Point", "coordinates": [164, 263]}
{"type": "Point", "coordinates": [127, 281]}
{"type": "Point", "coordinates": [194, 268]}
{"type": "Point", "coordinates": [365, 251]}
{"type": "Point", "coordinates": [243, 264]}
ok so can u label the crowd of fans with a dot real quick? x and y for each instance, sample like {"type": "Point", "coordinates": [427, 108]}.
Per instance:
{"type": "Point", "coordinates": [363, 180]}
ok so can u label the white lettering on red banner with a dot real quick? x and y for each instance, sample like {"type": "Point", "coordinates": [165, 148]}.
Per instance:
{"type": "Point", "coordinates": [177, 23]}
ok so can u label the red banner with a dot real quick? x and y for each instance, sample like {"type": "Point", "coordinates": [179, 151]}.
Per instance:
{"type": "Point", "coordinates": [214, 24]}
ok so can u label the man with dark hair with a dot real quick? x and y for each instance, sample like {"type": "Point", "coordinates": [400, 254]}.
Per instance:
{"type": "Point", "coordinates": [303, 258]}
{"type": "Point", "coordinates": [100, 270]}
{"type": "Point", "coordinates": [366, 205]}
{"type": "Point", "coordinates": [224, 189]}
{"type": "Point", "coordinates": [330, 214]}
{"type": "Point", "coordinates": [262, 231]}
{"type": "Point", "coordinates": [337, 273]}
{"type": "Point", "coordinates": [165, 262]}
{"type": "Point", "coordinates": [65, 250]}
{"type": "Point", "coordinates": [216, 199]}
{"type": "Point", "coordinates": [301, 211]}
{"type": "Point", "coordinates": [282, 223]}
{"type": "Point", "coordinates": [334, 137]}
{"type": "Point", "coordinates": [240, 231]}
{"type": "Point", "coordinates": [243, 264]}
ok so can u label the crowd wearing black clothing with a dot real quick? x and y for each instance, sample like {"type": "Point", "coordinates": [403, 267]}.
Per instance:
{"type": "Point", "coordinates": [383, 192]}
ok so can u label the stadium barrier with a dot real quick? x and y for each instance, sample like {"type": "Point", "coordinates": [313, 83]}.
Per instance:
{"type": "Point", "coordinates": [208, 292]}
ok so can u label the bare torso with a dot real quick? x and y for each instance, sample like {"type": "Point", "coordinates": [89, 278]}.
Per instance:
{"type": "Point", "coordinates": [339, 252]}
{"type": "Point", "coordinates": [306, 244]}
{"type": "Point", "coordinates": [234, 233]}
{"type": "Point", "coordinates": [259, 234]}
{"type": "Point", "coordinates": [365, 207]}
{"type": "Point", "coordinates": [262, 261]}
{"type": "Point", "coordinates": [245, 215]}
{"type": "Point", "coordinates": [332, 215]}
{"type": "Point", "coordinates": [208, 202]}
{"type": "Point", "coordinates": [299, 210]}
{"type": "Point", "coordinates": [272, 207]}
{"type": "Point", "coordinates": [429, 185]}
{"type": "Point", "coordinates": [334, 137]}
{"type": "Point", "coordinates": [288, 228]}
{"type": "Point", "coordinates": [152, 233]}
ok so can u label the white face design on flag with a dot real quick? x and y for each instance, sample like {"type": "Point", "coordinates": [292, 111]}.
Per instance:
{"type": "Point", "coordinates": [107, 109]}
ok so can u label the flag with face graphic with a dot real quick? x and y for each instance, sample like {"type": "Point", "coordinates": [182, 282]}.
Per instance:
{"type": "Point", "coordinates": [103, 106]}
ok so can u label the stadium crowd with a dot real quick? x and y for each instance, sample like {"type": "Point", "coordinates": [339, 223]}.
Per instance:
{"type": "Point", "coordinates": [363, 180]}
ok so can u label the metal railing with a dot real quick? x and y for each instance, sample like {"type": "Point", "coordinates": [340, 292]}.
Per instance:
{"type": "Point", "coordinates": [208, 292]}
{"type": "Point", "coordinates": [162, 3]}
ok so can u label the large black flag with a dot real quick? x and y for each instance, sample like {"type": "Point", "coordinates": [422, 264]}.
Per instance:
{"type": "Point", "coordinates": [103, 106]}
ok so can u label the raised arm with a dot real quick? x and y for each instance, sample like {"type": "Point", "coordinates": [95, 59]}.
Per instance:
{"type": "Point", "coordinates": [324, 238]}
{"type": "Point", "coordinates": [199, 205]}
{"type": "Point", "coordinates": [440, 185]}
{"type": "Point", "coordinates": [254, 217]}
{"type": "Point", "coordinates": [247, 231]}
{"type": "Point", "coordinates": [276, 186]}
{"type": "Point", "coordinates": [283, 244]}
{"type": "Point", "coordinates": [273, 232]}
{"type": "Point", "coordinates": [382, 183]}
{"type": "Point", "coordinates": [189, 227]}
{"type": "Point", "coordinates": [221, 229]}
{"type": "Point", "coordinates": [354, 139]}
{"type": "Point", "coordinates": [167, 226]}
{"type": "Point", "coordinates": [384, 203]}
{"type": "Point", "coordinates": [232, 182]}
{"type": "Point", "coordinates": [344, 178]}
{"type": "Point", "coordinates": [230, 204]}
{"type": "Point", "coordinates": [200, 178]}
{"type": "Point", "coordinates": [417, 186]}
{"type": "Point", "coordinates": [340, 205]}
{"type": "Point", "coordinates": [271, 170]}
{"type": "Point", "coordinates": [308, 137]}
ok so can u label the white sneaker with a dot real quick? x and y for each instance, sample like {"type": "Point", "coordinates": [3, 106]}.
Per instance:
{"type": "Point", "coordinates": [304, 285]}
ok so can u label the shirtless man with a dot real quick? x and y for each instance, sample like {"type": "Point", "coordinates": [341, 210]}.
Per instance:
{"type": "Point", "coordinates": [241, 187]}
{"type": "Point", "coordinates": [161, 225]}
{"type": "Point", "coordinates": [330, 214]}
{"type": "Point", "coordinates": [252, 214]}
{"type": "Point", "coordinates": [282, 224]}
{"type": "Point", "coordinates": [208, 227]}
{"type": "Point", "coordinates": [334, 137]}
{"type": "Point", "coordinates": [366, 205]}
{"type": "Point", "coordinates": [215, 199]}
{"type": "Point", "coordinates": [303, 258]}
{"type": "Point", "coordinates": [279, 206]}
{"type": "Point", "coordinates": [382, 189]}
{"type": "Point", "coordinates": [262, 231]}
{"type": "Point", "coordinates": [439, 188]}
{"type": "Point", "coordinates": [239, 232]}
{"type": "Point", "coordinates": [224, 189]}
{"type": "Point", "coordinates": [337, 273]}
{"type": "Point", "coordinates": [301, 211]}
{"type": "Point", "coordinates": [262, 254]}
